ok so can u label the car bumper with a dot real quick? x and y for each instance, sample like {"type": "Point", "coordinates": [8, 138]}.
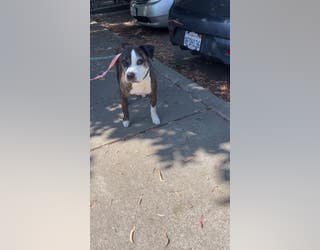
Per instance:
{"type": "Point", "coordinates": [211, 46]}
{"type": "Point", "coordinates": [150, 14]}
{"type": "Point", "coordinates": [157, 22]}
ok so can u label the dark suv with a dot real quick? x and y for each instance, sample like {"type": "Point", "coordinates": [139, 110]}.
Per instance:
{"type": "Point", "coordinates": [202, 26]}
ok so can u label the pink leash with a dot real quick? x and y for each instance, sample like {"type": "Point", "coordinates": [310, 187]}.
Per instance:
{"type": "Point", "coordinates": [114, 60]}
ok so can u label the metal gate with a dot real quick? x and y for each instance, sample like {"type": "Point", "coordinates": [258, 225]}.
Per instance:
{"type": "Point", "coordinates": [98, 6]}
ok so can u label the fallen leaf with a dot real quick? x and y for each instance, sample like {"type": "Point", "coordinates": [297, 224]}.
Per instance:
{"type": "Point", "coordinates": [177, 193]}
{"type": "Point", "coordinates": [132, 233]}
{"type": "Point", "coordinates": [201, 221]}
{"type": "Point", "coordinates": [188, 159]}
{"type": "Point", "coordinates": [190, 205]}
{"type": "Point", "coordinates": [160, 175]}
{"type": "Point", "coordinates": [140, 200]}
{"type": "Point", "coordinates": [168, 240]}
{"type": "Point", "coordinates": [214, 188]}
{"type": "Point", "coordinates": [93, 203]}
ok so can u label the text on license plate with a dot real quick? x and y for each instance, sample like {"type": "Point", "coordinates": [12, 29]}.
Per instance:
{"type": "Point", "coordinates": [192, 40]}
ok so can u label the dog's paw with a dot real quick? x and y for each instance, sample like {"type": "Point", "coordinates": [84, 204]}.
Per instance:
{"type": "Point", "coordinates": [126, 123]}
{"type": "Point", "coordinates": [155, 119]}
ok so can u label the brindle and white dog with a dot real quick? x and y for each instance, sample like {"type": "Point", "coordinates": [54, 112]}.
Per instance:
{"type": "Point", "coordinates": [136, 77]}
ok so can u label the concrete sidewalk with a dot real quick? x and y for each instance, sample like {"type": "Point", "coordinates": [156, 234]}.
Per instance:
{"type": "Point", "coordinates": [190, 149]}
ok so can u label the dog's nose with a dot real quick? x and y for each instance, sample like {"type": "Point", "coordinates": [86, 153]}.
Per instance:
{"type": "Point", "coordinates": [131, 75]}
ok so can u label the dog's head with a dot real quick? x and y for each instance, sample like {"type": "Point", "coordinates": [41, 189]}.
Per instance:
{"type": "Point", "coordinates": [135, 62]}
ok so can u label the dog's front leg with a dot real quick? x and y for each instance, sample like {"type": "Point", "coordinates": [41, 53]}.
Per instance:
{"type": "Point", "coordinates": [125, 110]}
{"type": "Point", "coordinates": [153, 109]}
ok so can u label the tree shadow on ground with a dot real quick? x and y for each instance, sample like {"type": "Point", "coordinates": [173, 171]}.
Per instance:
{"type": "Point", "coordinates": [184, 139]}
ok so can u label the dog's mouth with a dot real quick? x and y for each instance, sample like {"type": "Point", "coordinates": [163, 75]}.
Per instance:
{"type": "Point", "coordinates": [133, 81]}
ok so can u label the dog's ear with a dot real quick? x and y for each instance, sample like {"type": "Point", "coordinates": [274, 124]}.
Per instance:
{"type": "Point", "coordinates": [148, 49]}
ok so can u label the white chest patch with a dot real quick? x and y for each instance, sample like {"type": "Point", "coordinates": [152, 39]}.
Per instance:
{"type": "Point", "coordinates": [141, 88]}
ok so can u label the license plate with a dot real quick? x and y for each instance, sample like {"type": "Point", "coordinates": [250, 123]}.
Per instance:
{"type": "Point", "coordinates": [192, 40]}
{"type": "Point", "coordinates": [134, 11]}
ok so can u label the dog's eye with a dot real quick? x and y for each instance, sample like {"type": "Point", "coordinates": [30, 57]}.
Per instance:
{"type": "Point", "coordinates": [140, 61]}
{"type": "Point", "coordinates": [125, 63]}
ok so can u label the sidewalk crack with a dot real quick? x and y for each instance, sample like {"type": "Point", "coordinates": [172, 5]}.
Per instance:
{"type": "Point", "coordinates": [129, 136]}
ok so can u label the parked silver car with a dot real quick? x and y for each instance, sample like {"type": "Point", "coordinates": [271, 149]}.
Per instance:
{"type": "Point", "coordinates": [153, 13]}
